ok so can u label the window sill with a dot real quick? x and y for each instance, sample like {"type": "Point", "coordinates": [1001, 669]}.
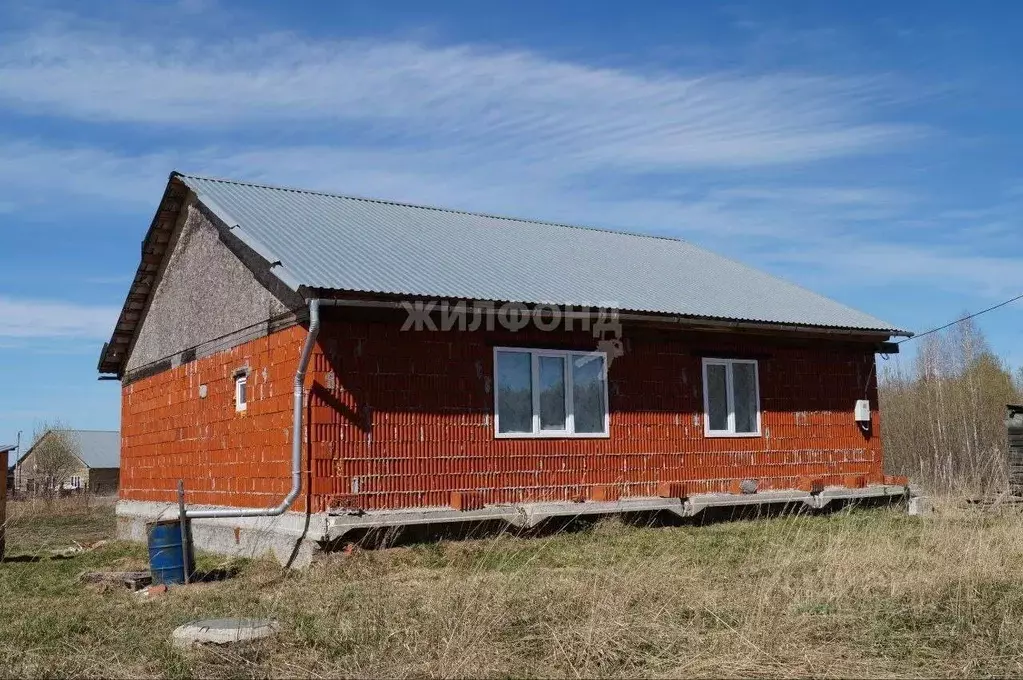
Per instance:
{"type": "Point", "coordinates": [732, 435]}
{"type": "Point", "coordinates": [552, 435]}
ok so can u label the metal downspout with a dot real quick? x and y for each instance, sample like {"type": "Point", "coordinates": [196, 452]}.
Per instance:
{"type": "Point", "coordinates": [296, 435]}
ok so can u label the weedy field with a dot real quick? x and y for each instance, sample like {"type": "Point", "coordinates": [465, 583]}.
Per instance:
{"type": "Point", "coordinates": [855, 593]}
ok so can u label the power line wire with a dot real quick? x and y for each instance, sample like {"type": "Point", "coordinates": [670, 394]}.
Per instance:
{"type": "Point", "coordinates": [965, 318]}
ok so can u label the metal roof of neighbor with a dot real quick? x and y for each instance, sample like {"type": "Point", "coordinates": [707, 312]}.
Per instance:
{"type": "Point", "coordinates": [96, 448]}
{"type": "Point", "coordinates": [7, 447]}
{"type": "Point", "coordinates": [362, 245]}
{"type": "Point", "coordinates": [99, 448]}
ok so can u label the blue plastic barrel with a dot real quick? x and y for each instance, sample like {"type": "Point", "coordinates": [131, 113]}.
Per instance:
{"type": "Point", "coordinates": [166, 554]}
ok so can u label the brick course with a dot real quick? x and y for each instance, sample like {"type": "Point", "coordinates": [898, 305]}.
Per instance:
{"type": "Point", "coordinates": [226, 458]}
{"type": "Point", "coordinates": [404, 419]}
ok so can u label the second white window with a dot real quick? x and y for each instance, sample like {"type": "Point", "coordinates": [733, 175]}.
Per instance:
{"type": "Point", "coordinates": [731, 398]}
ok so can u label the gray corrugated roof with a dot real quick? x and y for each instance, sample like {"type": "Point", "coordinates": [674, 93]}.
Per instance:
{"type": "Point", "coordinates": [355, 244]}
{"type": "Point", "coordinates": [97, 448]}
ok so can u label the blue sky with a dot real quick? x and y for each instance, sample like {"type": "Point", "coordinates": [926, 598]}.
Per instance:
{"type": "Point", "coordinates": [869, 151]}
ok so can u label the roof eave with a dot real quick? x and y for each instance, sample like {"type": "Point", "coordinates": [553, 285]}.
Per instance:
{"type": "Point", "coordinates": [115, 351]}
{"type": "Point", "coordinates": [371, 299]}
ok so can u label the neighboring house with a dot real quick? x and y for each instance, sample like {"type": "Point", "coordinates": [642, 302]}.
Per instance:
{"type": "Point", "coordinates": [710, 383]}
{"type": "Point", "coordinates": [8, 487]}
{"type": "Point", "coordinates": [95, 466]}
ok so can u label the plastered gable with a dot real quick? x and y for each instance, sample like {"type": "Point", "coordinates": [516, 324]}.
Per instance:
{"type": "Point", "coordinates": [205, 292]}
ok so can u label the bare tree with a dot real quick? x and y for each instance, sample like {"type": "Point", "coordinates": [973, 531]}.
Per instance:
{"type": "Point", "coordinates": [943, 416]}
{"type": "Point", "coordinates": [55, 458]}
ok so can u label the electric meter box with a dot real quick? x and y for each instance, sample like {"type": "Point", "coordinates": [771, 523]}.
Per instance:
{"type": "Point", "coordinates": [862, 411]}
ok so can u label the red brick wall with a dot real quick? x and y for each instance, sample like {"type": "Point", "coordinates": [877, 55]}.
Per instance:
{"type": "Point", "coordinates": [402, 419]}
{"type": "Point", "coordinates": [410, 415]}
{"type": "Point", "coordinates": [226, 458]}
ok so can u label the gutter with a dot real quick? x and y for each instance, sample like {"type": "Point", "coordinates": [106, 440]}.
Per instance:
{"type": "Point", "coordinates": [713, 322]}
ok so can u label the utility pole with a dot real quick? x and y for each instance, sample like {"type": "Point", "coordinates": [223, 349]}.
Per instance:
{"type": "Point", "coordinates": [17, 457]}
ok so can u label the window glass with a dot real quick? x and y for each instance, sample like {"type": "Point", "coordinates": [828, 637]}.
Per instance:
{"type": "Point", "coordinates": [241, 398]}
{"type": "Point", "coordinates": [552, 393]}
{"type": "Point", "coordinates": [717, 396]}
{"type": "Point", "coordinates": [744, 384]}
{"type": "Point", "coordinates": [588, 404]}
{"type": "Point", "coordinates": [514, 392]}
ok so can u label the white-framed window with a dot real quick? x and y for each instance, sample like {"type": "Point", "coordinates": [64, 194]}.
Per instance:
{"type": "Point", "coordinates": [550, 393]}
{"type": "Point", "coordinates": [75, 482]}
{"type": "Point", "coordinates": [241, 393]}
{"type": "Point", "coordinates": [731, 398]}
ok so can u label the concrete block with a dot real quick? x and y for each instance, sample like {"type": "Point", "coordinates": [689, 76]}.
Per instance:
{"type": "Point", "coordinates": [855, 481]}
{"type": "Point", "coordinates": [464, 500]}
{"type": "Point", "coordinates": [604, 493]}
{"type": "Point", "coordinates": [920, 505]}
{"type": "Point", "coordinates": [810, 484]}
{"type": "Point", "coordinates": [222, 632]}
{"type": "Point", "coordinates": [671, 490]}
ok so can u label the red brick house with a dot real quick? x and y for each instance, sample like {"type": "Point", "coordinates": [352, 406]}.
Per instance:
{"type": "Point", "coordinates": [310, 364]}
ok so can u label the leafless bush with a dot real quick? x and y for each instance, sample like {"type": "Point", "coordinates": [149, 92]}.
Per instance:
{"type": "Point", "coordinates": [944, 415]}
{"type": "Point", "coordinates": [54, 458]}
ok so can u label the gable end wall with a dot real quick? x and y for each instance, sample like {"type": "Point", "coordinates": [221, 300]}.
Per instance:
{"type": "Point", "coordinates": [205, 292]}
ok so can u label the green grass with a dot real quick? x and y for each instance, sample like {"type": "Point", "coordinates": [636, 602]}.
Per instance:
{"type": "Point", "coordinates": [861, 593]}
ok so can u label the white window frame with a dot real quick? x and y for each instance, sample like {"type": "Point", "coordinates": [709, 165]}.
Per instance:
{"type": "Point", "coordinates": [730, 397]}
{"type": "Point", "coordinates": [569, 431]}
{"type": "Point", "coordinates": [240, 380]}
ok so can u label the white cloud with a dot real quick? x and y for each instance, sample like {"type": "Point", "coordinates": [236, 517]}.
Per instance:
{"type": "Point", "coordinates": [504, 131]}
{"type": "Point", "coordinates": [493, 102]}
{"type": "Point", "coordinates": [824, 196]}
{"type": "Point", "coordinates": [822, 234]}
{"type": "Point", "coordinates": [987, 275]}
{"type": "Point", "coordinates": [459, 178]}
{"type": "Point", "coordinates": [25, 318]}
{"type": "Point", "coordinates": [33, 173]}
{"type": "Point", "coordinates": [510, 132]}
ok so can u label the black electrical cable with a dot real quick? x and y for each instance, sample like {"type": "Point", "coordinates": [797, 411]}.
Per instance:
{"type": "Point", "coordinates": [965, 318]}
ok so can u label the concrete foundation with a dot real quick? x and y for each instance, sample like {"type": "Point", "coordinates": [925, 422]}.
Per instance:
{"type": "Point", "coordinates": [292, 538]}
{"type": "Point", "coordinates": [295, 539]}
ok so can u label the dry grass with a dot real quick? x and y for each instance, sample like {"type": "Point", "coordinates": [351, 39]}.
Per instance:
{"type": "Point", "coordinates": [861, 593]}
{"type": "Point", "coordinates": [38, 525]}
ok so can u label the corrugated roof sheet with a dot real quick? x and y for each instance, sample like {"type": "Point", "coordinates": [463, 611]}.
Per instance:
{"type": "Point", "coordinates": [97, 448]}
{"type": "Point", "coordinates": [355, 244]}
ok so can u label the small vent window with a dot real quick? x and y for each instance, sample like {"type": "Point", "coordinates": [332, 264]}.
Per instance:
{"type": "Point", "coordinates": [241, 393]}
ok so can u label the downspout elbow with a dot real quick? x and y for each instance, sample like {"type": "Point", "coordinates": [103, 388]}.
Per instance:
{"type": "Point", "coordinates": [296, 434]}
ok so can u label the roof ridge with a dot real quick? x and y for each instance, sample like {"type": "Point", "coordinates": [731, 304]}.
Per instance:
{"type": "Point", "coordinates": [421, 206]}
